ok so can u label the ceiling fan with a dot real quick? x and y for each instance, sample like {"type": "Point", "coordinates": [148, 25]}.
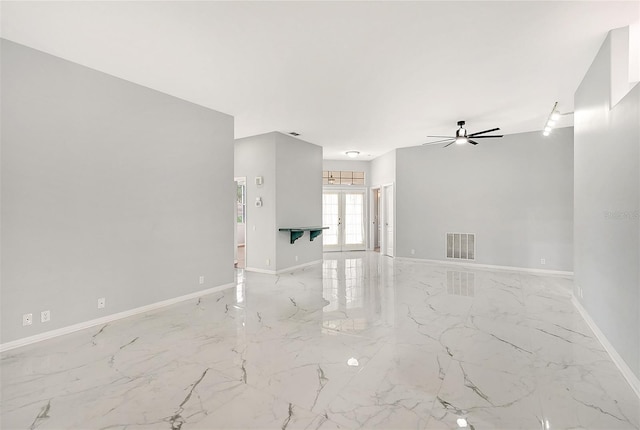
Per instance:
{"type": "Point", "coordinates": [462, 137]}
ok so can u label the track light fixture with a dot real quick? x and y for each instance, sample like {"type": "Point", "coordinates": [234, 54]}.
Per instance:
{"type": "Point", "coordinates": [553, 118]}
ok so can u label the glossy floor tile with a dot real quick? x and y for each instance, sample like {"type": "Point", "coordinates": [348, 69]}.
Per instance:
{"type": "Point", "coordinates": [361, 341]}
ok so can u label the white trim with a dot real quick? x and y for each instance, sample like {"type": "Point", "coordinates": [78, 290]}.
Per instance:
{"type": "Point", "coordinates": [109, 318]}
{"type": "Point", "coordinates": [372, 214]}
{"type": "Point", "coordinates": [344, 187]}
{"type": "Point", "coordinates": [256, 270]}
{"type": "Point", "coordinates": [385, 203]}
{"type": "Point", "coordinates": [469, 264]}
{"type": "Point", "coordinates": [238, 179]}
{"type": "Point", "coordinates": [299, 266]}
{"type": "Point", "coordinates": [278, 272]}
{"type": "Point", "coordinates": [628, 374]}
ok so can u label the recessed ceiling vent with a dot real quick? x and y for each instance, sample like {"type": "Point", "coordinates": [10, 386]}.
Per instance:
{"type": "Point", "coordinates": [461, 246]}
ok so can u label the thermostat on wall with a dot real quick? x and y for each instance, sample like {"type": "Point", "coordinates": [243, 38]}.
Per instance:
{"type": "Point", "coordinates": [258, 202]}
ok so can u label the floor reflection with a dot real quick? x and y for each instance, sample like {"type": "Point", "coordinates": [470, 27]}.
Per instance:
{"type": "Point", "coordinates": [461, 283]}
{"type": "Point", "coordinates": [353, 291]}
{"type": "Point", "coordinates": [360, 341]}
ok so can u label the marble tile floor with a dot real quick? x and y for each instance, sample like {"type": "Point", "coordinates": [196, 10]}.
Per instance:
{"type": "Point", "coordinates": [361, 341]}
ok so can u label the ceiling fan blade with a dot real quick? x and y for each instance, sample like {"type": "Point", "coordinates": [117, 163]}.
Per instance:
{"type": "Point", "coordinates": [487, 137]}
{"type": "Point", "coordinates": [450, 137]}
{"type": "Point", "coordinates": [438, 141]}
{"type": "Point", "coordinates": [483, 132]}
{"type": "Point", "coordinates": [472, 142]}
{"type": "Point", "coordinates": [448, 144]}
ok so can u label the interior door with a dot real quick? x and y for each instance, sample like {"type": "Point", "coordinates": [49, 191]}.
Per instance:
{"type": "Point", "coordinates": [376, 224]}
{"type": "Point", "coordinates": [388, 228]}
{"type": "Point", "coordinates": [343, 211]}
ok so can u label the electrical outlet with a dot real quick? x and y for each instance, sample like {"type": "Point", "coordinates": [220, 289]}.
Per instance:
{"type": "Point", "coordinates": [201, 280]}
{"type": "Point", "coordinates": [413, 252]}
{"type": "Point", "coordinates": [268, 261]}
{"type": "Point", "coordinates": [102, 302]}
{"type": "Point", "coordinates": [543, 261]}
{"type": "Point", "coordinates": [27, 319]}
{"type": "Point", "coordinates": [296, 258]}
{"type": "Point", "coordinates": [45, 316]}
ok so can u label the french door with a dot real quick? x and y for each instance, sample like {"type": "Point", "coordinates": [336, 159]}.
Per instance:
{"type": "Point", "coordinates": [343, 212]}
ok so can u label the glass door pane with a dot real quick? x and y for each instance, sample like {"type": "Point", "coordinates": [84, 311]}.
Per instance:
{"type": "Point", "coordinates": [354, 220]}
{"type": "Point", "coordinates": [331, 219]}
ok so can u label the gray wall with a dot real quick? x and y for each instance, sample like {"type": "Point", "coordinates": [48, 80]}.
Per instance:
{"type": "Point", "coordinates": [109, 189]}
{"type": "Point", "coordinates": [515, 194]}
{"type": "Point", "coordinates": [256, 156]}
{"type": "Point", "coordinates": [383, 169]}
{"type": "Point", "coordinates": [350, 166]}
{"type": "Point", "coordinates": [291, 196]}
{"type": "Point", "coordinates": [607, 193]}
{"type": "Point", "coordinates": [299, 199]}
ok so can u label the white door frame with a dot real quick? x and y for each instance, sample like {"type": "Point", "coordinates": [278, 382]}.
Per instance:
{"type": "Point", "coordinates": [388, 205]}
{"type": "Point", "coordinates": [374, 218]}
{"type": "Point", "coordinates": [235, 223]}
{"type": "Point", "coordinates": [365, 218]}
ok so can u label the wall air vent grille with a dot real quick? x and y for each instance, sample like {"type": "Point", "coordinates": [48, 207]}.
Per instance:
{"type": "Point", "coordinates": [461, 246]}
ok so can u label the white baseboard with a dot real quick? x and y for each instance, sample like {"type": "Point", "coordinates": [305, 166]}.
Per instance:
{"type": "Point", "coordinates": [109, 318]}
{"type": "Point", "coordinates": [256, 270]}
{"type": "Point", "coordinates": [628, 374]}
{"type": "Point", "coordinates": [491, 266]}
{"type": "Point", "coordinates": [299, 266]}
{"type": "Point", "coordinates": [278, 272]}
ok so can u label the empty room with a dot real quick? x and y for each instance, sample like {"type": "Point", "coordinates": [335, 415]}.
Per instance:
{"type": "Point", "coordinates": [320, 215]}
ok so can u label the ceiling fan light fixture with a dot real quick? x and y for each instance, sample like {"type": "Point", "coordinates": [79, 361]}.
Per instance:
{"type": "Point", "coordinates": [461, 137]}
{"type": "Point", "coordinates": [352, 154]}
{"type": "Point", "coordinates": [547, 129]}
{"type": "Point", "coordinates": [546, 133]}
{"type": "Point", "coordinates": [461, 134]}
{"type": "Point", "coordinates": [555, 115]}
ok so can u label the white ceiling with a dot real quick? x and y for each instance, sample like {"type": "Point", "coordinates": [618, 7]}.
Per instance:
{"type": "Point", "coordinates": [367, 76]}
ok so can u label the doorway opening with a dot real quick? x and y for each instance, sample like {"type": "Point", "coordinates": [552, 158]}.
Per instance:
{"type": "Point", "coordinates": [387, 242]}
{"type": "Point", "coordinates": [376, 225]}
{"type": "Point", "coordinates": [240, 233]}
{"type": "Point", "coordinates": [343, 211]}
